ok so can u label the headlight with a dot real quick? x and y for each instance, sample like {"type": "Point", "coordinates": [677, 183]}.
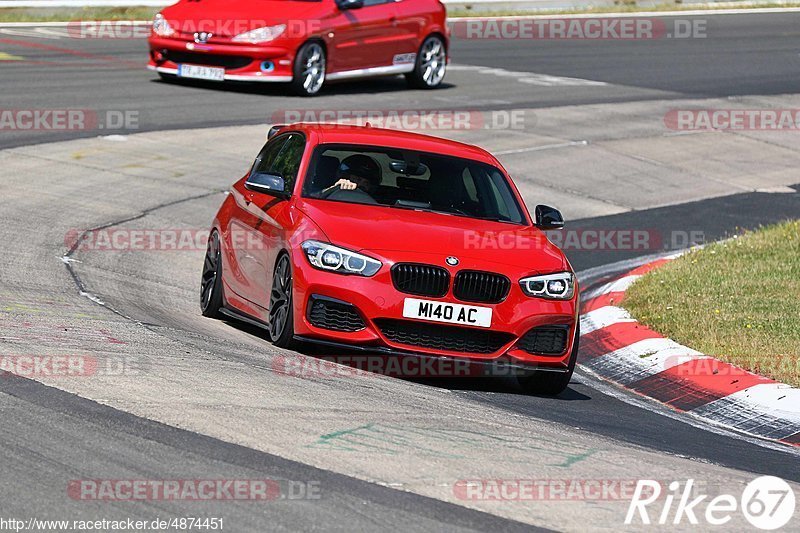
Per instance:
{"type": "Point", "coordinates": [161, 26]}
{"type": "Point", "coordinates": [559, 286]}
{"type": "Point", "coordinates": [326, 256]}
{"type": "Point", "coordinates": [261, 35]}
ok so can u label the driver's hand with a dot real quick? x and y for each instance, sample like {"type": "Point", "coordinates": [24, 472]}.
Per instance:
{"type": "Point", "coordinates": [345, 185]}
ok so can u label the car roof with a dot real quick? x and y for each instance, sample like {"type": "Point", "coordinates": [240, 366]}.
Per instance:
{"type": "Point", "coordinates": [370, 136]}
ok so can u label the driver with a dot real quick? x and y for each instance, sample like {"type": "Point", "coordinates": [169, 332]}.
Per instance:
{"type": "Point", "coordinates": [357, 172]}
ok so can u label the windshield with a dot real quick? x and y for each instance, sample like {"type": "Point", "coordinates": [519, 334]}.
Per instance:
{"type": "Point", "coordinates": [406, 179]}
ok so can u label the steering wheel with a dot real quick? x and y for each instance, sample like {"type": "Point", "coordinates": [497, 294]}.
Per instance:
{"type": "Point", "coordinates": [356, 196]}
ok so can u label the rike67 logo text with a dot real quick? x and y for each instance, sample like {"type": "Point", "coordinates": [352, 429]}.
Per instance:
{"type": "Point", "coordinates": [767, 503]}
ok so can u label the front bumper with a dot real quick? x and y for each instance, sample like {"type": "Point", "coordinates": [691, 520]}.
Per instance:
{"type": "Point", "coordinates": [459, 366]}
{"type": "Point", "coordinates": [241, 62]}
{"type": "Point", "coordinates": [377, 301]}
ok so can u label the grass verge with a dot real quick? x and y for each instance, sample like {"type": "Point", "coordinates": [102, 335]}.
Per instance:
{"type": "Point", "coordinates": [146, 13]}
{"type": "Point", "coordinates": [738, 301]}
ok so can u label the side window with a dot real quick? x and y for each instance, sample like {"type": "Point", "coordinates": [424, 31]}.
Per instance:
{"type": "Point", "coordinates": [469, 185]}
{"type": "Point", "coordinates": [268, 154]}
{"type": "Point", "coordinates": [368, 3]}
{"type": "Point", "coordinates": [506, 204]}
{"type": "Point", "coordinates": [499, 202]}
{"type": "Point", "coordinates": [287, 163]}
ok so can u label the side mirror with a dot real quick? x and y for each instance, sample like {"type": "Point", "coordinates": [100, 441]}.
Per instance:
{"type": "Point", "coordinates": [344, 5]}
{"type": "Point", "coordinates": [546, 217]}
{"type": "Point", "coordinates": [268, 184]}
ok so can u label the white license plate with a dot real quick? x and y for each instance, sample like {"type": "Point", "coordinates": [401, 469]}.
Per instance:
{"type": "Point", "coordinates": [465, 315]}
{"type": "Point", "coordinates": [201, 72]}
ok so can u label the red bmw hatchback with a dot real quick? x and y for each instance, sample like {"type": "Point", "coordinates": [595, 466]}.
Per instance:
{"type": "Point", "coordinates": [394, 242]}
{"type": "Point", "coordinates": [303, 42]}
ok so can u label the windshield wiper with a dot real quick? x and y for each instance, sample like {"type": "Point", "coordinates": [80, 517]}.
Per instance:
{"type": "Point", "coordinates": [497, 219]}
{"type": "Point", "coordinates": [427, 210]}
{"type": "Point", "coordinates": [452, 213]}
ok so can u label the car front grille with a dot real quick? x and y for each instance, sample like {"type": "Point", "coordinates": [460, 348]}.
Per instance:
{"type": "Point", "coordinates": [441, 337]}
{"type": "Point", "coordinates": [422, 280]}
{"type": "Point", "coordinates": [545, 340]}
{"type": "Point", "coordinates": [332, 314]}
{"type": "Point", "coordinates": [482, 287]}
{"type": "Point", "coordinates": [211, 60]}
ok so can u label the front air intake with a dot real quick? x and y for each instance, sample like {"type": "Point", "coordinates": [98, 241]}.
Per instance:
{"type": "Point", "coordinates": [421, 280]}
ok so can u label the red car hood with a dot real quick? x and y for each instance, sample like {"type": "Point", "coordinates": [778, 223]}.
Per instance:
{"type": "Point", "coordinates": [227, 18]}
{"type": "Point", "coordinates": [364, 228]}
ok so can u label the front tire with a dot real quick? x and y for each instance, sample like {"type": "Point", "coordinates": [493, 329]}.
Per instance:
{"type": "Point", "coordinates": [281, 314]}
{"type": "Point", "coordinates": [431, 65]}
{"type": "Point", "coordinates": [211, 299]}
{"type": "Point", "coordinates": [309, 69]}
{"type": "Point", "coordinates": [551, 383]}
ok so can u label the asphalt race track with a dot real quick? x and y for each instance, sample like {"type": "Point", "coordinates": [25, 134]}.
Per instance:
{"type": "Point", "coordinates": [183, 397]}
{"type": "Point", "coordinates": [741, 55]}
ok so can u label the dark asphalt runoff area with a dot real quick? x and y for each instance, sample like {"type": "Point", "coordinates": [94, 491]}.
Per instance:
{"type": "Point", "coordinates": [47, 432]}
